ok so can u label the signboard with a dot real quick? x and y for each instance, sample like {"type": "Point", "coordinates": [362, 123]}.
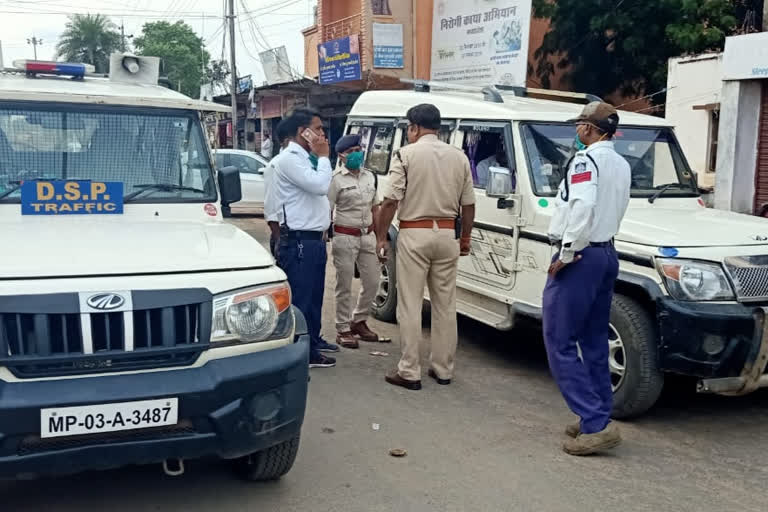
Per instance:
{"type": "Point", "coordinates": [481, 43]}
{"type": "Point", "coordinates": [277, 67]}
{"type": "Point", "coordinates": [387, 45]}
{"type": "Point", "coordinates": [244, 83]}
{"type": "Point", "coordinates": [62, 197]}
{"type": "Point", "coordinates": [746, 57]}
{"type": "Point", "coordinates": [339, 60]}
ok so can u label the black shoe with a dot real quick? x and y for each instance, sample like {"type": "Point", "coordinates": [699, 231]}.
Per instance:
{"type": "Point", "coordinates": [442, 382]}
{"type": "Point", "coordinates": [322, 361]}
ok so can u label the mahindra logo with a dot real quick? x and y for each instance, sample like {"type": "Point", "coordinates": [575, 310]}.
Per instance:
{"type": "Point", "coordinates": [105, 301]}
{"type": "Point", "coordinates": [760, 238]}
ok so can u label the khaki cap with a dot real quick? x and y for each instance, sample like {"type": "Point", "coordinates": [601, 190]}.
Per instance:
{"type": "Point", "coordinates": [600, 114]}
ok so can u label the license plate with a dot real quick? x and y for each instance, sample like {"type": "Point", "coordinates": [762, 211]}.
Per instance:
{"type": "Point", "coordinates": [94, 419]}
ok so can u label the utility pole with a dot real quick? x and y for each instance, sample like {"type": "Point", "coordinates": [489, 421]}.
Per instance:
{"type": "Point", "coordinates": [231, 17]}
{"type": "Point", "coordinates": [34, 41]}
{"type": "Point", "coordinates": [123, 36]}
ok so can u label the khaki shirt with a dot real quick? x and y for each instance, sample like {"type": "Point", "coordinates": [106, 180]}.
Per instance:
{"type": "Point", "coordinates": [431, 179]}
{"type": "Point", "coordinates": [353, 195]}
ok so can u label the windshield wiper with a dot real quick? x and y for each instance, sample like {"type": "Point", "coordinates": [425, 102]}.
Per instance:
{"type": "Point", "coordinates": [162, 187]}
{"type": "Point", "coordinates": [662, 190]}
{"type": "Point", "coordinates": [19, 183]}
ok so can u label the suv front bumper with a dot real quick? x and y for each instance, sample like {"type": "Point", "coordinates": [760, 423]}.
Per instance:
{"type": "Point", "coordinates": [726, 345]}
{"type": "Point", "coordinates": [228, 408]}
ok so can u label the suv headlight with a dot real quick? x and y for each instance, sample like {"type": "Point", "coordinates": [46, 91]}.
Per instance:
{"type": "Point", "coordinates": [695, 280]}
{"type": "Point", "coordinates": [252, 315]}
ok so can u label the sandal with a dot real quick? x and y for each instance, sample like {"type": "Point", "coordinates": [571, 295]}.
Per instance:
{"type": "Point", "coordinates": [347, 340]}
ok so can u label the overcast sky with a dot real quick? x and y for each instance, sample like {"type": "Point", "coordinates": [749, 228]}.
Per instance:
{"type": "Point", "coordinates": [280, 22]}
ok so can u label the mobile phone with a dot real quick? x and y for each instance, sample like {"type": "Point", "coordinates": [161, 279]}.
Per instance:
{"type": "Point", "coordinates": [309, 136]}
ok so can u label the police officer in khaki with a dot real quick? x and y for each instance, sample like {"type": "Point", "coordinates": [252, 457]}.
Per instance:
{"type": "Point", "coordinates": [430, 188]}
{"type": "Point", "coordinates": [354, 204]}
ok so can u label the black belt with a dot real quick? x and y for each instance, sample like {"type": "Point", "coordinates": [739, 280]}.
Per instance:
{"type": "Point", "coordinates": [609, 243]}
{"type": "Point", "coordinates": [302, 235]}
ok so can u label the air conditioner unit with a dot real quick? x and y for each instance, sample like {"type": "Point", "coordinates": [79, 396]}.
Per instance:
{"type": "Point", "coordinates": [125, 67]}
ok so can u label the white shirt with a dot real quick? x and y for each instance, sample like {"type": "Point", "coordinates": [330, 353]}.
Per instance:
{"type": "Point", "coordinates": [591, 200]}
{"type": "Point", "coordinates": [483, 169]}
{"type": "Point", "coordinates": [299, 192]}
{"type": "Point", "coordinates": [271, 208]}
{"type": "Point", "coordinates": [266, 148]}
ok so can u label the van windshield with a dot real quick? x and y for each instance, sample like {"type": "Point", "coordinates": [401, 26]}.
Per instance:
{"type": "Point", "coordinates": [653, 155]}
{"type": "Point", "coordinates": [162, 152]}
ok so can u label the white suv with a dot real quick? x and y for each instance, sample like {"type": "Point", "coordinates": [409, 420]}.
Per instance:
{"type": "Point", "coordinates": [693, 286]}
{"type": "Point", "coordinates": [135, 325]}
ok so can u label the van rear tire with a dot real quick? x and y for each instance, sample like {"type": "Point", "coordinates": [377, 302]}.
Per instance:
{"type": "Point", "coordinates": [640, 387]}
{"type": "Point", "coordinates": [384, 305]}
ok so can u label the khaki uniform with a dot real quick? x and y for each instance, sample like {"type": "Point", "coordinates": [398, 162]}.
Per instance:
{"type": "Point", "coordinates": [432, 180]}
{"type": "Point", "coordinates": [352, 196]}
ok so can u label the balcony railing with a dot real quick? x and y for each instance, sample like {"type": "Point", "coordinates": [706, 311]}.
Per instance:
{"type": "Point", "coordinates": [342, 28]}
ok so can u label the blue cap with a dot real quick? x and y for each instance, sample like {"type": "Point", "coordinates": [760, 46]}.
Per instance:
{"type": "Point", "coordinates": [346, 142]}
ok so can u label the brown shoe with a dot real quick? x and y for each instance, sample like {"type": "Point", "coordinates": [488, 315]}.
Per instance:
{"type": "Point", "coordinates": [587, 444]}
{"type": "Point", "coordinates": [347, 340]}
{"type": "Point", "coordinates": [361, 329]}
{"type": "Point", "coordinates": [395, 379]}
{"type": "Point", "coordinates": [442, 382]}
{"type": "Point", "coordinates": [573, 430]}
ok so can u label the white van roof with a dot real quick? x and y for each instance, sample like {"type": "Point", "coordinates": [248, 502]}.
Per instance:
{"type": "Point", "coordinates": [468, 105]}
{"type": "Point", "coordinates": [102, 91]}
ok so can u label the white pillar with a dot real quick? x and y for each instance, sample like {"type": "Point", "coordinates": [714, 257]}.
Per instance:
{"type": "Point", "coordinates": [737, 145]}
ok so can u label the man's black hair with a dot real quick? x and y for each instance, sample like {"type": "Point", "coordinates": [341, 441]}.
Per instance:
{"type": "Point", "coordinates": [298, 118]}
{"type": "Point", "coordinates": [425, 115]}
{"type": "Point", "coordinates": [282, 133]}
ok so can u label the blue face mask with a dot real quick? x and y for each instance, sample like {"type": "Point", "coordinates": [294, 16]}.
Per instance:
{"type": "Point", "coordinates": [355, 160]}
{"type": "Point", "coordinates": [580, 146]}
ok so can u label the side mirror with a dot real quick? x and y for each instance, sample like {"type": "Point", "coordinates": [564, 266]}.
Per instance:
{"type": "Point", "coordinates": [229, 185]}
{"type": "Point", "coordinates": [499, 183]}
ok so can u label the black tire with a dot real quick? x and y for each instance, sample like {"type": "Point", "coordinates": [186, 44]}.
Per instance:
{"type": "Point", "coordinates": [385, 308]}
{"type": "Point", "coordinates": [641, 386]}
{"type": "Point", "coordinates": [269, 464]}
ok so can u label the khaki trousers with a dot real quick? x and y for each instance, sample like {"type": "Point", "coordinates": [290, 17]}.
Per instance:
{"type": "Point", "coordinates": [348, 250]}
{"type": "Point", "coordinates": [431, 257]}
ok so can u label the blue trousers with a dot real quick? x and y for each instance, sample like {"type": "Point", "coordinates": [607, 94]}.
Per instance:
{"type": "Point", "coordinates": [304, 261]}
{"type": "Point", "coordinates": [577, 307]}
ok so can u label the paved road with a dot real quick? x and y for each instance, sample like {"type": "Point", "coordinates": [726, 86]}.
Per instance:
{"type": "Point", "coordinates": [489, 442]}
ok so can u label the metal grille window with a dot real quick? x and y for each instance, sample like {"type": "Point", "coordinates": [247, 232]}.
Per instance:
{"type": "Point", "coordinates": [105, 145]}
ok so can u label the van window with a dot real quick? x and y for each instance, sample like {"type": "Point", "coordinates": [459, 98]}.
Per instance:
{"type": "Point", "coordinates": [105, 144]}
{"type": "Point", "coordinates": [444, 134]}
{"type": "Point", "coordinates": [653, 154]}
{"type": "Point", "coordinates": [376, 142]}
{"type": "Point", "coordinates": [485, 148]}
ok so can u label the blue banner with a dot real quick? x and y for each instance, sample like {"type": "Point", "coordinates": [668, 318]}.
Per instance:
{"type": "Point", "coordinates": [339, 60]}
{"type": "Point", "coordinates": [387, 45]}
{"type": "Point", "coordinates": [77, 197]}
{"type": "Point", "coordinates": [388, 57]}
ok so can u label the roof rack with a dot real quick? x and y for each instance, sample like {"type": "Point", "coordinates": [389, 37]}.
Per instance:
{"type": "Point", "coordinates": [493, 93]}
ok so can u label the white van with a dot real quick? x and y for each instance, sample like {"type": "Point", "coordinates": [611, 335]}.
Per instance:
{"type": "Point", "coordinates": [135, 325]}
{"type": "Point", "coordinates": [693, 284]}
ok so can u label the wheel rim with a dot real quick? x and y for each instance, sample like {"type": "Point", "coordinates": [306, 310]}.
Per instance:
{"type": "Point", "coordinates": [616, 358]}
{"type": "Point", "coordinates": [382, 292]}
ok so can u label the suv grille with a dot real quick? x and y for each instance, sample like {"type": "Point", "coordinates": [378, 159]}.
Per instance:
{"type": "Point", "coordinates": [750, 276]}
{"type": "Point", "coordinates": [165, 328]}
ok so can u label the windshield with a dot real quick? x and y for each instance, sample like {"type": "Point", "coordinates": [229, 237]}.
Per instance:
{"type": "Point", "coordinates": [139, 148]}
{"type": "Point", "coordinates": [653, 155]}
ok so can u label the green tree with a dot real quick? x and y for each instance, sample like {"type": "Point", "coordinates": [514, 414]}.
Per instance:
{"type": "Point", "coordinates": [184, 57]}
{"type": "Point", "coordinates": [609, 45]}
{"type": "Point", "coordinates": [89, 38]}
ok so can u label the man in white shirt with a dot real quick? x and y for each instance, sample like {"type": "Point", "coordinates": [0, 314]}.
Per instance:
{"type": "Point", "coordinates": [589, 207]}
{"type": "Point", "coordinates": [271, 208]}
{"type": "Point", "coordinates": [266, 146]}
{"type": "Point", "coordinates": [498, 159]}
{"type": "Point", "coordinates": [301, 191]}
